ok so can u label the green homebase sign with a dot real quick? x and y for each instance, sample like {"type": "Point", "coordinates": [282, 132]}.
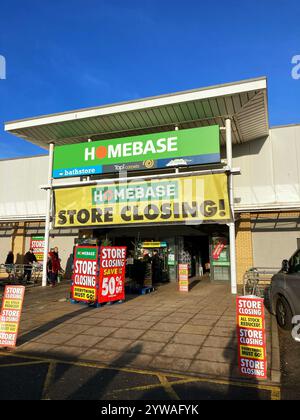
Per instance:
{"type": "Point", "coordinates": [86, 253]}
{"type": "Point", "coordinates": [196, 146]}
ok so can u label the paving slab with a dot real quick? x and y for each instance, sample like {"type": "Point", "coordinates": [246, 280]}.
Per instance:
{"type": "Point", "coordinates": [192, 333]}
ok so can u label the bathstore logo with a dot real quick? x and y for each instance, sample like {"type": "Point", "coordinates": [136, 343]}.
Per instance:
{"type": "Point", "coordinates": [130, 149]}
{"type": "Point", "coordinates": [2, 68]}
{"type": "Point", "coordinates": [296, 68]}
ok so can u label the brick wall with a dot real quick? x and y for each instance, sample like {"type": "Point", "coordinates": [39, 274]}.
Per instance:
{"type": "Point", "coordinates": [244, 251]}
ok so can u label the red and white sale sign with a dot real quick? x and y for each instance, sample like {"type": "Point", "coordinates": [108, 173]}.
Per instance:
{"type": "Point", "coordinates": [219, 247]}
{"type": "Point", "coordinates": [183, 277]}
{"type": "Point", "coordinates": [112, 274]}
{"type": "Point", "coordinates": [10, 315]}
{"type": "Point", "coordinates": [37, 243]}
{"type": "Point", "coordinates": [252, 349]}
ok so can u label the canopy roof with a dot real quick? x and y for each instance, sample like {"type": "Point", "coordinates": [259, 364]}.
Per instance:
{"type": "Point", "coordinates": [245, 102]}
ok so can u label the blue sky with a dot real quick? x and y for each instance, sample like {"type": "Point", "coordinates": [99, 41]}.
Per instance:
{"type": "Point", "coordinates": [68, 54]}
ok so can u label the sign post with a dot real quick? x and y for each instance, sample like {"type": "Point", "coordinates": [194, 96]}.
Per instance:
{"type": "Point", "coordinates": [251, 333]}
{"type": "Point", "coordinates": [10, 315]}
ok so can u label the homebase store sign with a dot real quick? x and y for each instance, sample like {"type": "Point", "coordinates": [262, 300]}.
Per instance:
{"type": "Point", "coordinates": [192, 199]}
{"type": "Point", "coordinates": [160, 150]}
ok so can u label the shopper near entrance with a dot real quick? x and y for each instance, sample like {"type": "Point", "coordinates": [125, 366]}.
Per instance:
{"type": "Point", "coordinates": [53, 267]}
{"type": "Point", "coordinates": [29, 259]}
{"type": "Point", "coordinates": [156, 268]}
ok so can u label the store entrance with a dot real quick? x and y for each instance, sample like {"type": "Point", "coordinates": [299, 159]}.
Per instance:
{"type": "Point", "coordinates": [194, 251]}
{"type": "Point", "coordinates": [155, 252]}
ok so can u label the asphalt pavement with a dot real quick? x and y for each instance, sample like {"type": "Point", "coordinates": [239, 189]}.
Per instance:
{"type": "Point", "coordinates": [290, 367]}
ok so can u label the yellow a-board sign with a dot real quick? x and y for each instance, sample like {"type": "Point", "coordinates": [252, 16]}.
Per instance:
{"type": "Point", "coordinates": [192, 199]}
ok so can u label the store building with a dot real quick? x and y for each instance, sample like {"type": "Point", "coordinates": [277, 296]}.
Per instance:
{"type": "Point", "coordinates": [256, 222]}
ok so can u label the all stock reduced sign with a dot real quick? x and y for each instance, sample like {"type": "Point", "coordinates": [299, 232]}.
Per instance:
{"type": "Point", "coordinates": [112, 274]}
{"type": "Point", "coordinates": [85, 274]}
{"type": "Point", "coordinates": [252, 353]}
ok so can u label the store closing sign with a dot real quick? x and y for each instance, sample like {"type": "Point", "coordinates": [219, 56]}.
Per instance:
{"type": "Point", "coordinates": [10, 315]}
{"type": "Point", "coordinates": [84, 279]}
{"type": "Point", "coordinates": [183, 277]}
{"type": "Point", "coordinates": [192, 199]}
{"type": "Point", "coordinates": [251, 337]}
{"type": "Point", "coordinates": [37, 243]}
{"type": "Point", "coordinates": [112, 274]}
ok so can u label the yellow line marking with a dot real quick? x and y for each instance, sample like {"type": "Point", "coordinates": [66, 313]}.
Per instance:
{"type": "Point", "coordinates": [48, 381]}
{"type": "Point", "coordinates": [192, 378]}
{"type": "Point", "coordinates": [168, 387]}
{"type": "Point", "coordinates": [39, 362]}
{"type": "Point", "coordinates": [163, 384]}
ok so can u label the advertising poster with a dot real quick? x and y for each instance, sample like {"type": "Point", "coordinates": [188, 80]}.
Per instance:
{"type": "Point", "coordinates": [85, 274]}
{"type": "Point", "coordinates": [220, 251]}
{"type": "Point", "coordinates": [37, 243]}
{"type": "Point", "coordinates": [10, 315]}
{"type": "Point", "coordinates": [180, 200]}
{"type": "Point", "coordinates": [251, 337]}
{"type": "Point", "coordinates": [112, 274]}
{"type": "Point", "coordinates": [183, 277]}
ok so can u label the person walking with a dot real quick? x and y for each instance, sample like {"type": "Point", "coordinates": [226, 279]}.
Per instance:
{"type": "Point", "coordinates": [156, 268]}
{"type": "Point", "coordinates": [29, 259]}
{"type": "Point", "coordinates": [53, 266]}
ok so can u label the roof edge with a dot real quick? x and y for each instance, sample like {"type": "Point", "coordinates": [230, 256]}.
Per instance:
{"type": "Point", "coordinates": [166, 99]}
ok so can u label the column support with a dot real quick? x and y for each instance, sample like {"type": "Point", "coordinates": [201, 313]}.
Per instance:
{"type": "Point", "coordinates": [48, 215]}
{"type": "Point", "coordinates": [232, 239]}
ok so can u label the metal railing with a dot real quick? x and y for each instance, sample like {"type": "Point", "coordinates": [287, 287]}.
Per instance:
{"type": "Point", "coordinates": [18, 273]}
{"type": "Point", "coordinates": [257, 279]}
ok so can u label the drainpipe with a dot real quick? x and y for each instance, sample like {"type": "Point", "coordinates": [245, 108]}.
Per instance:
{"type": "Point", "coordinates": [48, 215]}
{"type": "Point", "coordinates": [233, 276]}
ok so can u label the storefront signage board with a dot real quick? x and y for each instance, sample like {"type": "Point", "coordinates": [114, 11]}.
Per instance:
{"type": "Point", "coordinates": [192, 200]}
{"type": "Point", "coordinates": [189, 147]}
{"type": "Point", "coordinates": [252, 353]}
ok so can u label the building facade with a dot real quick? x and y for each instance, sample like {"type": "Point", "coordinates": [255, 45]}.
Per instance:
{"type": "Point", "coordinates": [266, 193]}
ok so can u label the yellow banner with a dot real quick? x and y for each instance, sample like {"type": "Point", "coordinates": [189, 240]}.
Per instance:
{"type": "Point", "coordinates": [9, 327]}
{"type": "Point", "coordinates": [252, 352]}
{"type": "Point", "coordinates": [12, 304]}
{"type": "Point", "coordinates": [87, 295]}
{"type": "Point", "coordinates": [192, 199]}
{"type": "Point", "coordinates": [250, 322]}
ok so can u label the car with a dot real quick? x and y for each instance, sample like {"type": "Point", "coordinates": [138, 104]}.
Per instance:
{"type": "Point", "coordinates": [284, 292]}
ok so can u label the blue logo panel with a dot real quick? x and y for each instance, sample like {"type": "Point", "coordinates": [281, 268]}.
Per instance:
{"type": "Point", "coordinates": [74, 172]}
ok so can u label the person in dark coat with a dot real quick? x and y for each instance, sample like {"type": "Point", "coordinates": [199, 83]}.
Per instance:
{"type": "Point", "coordinates": [10, 258]}
{"type": "Point", "coordinates": [29, 259]}
{"type": "Point", "coordinates": [156, 268]}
